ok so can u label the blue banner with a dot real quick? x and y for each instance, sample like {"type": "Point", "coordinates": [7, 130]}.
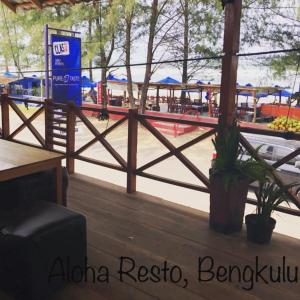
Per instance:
{"type": "Point", "coordinates": [66, 69]}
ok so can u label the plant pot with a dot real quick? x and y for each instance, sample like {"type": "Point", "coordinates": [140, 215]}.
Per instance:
{"type": "Point", "coordinates": [257, 231]}
{"type": "Point", "coordinates": [227, 207]}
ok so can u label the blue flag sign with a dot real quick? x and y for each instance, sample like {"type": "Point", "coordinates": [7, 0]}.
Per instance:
{"type": "Point", "coordinates": [66, 69]}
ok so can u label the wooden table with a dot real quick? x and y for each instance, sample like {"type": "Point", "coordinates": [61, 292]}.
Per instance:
{"type": "Point", "coordinates": [18, 160]}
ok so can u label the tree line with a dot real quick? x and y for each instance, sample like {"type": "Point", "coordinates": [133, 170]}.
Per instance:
{"type": "Point", "coordinates": [112, 31]}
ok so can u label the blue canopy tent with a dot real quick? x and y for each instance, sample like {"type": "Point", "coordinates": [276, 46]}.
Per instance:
{"type": "Point", "coordinates": [113, 78]}
{"type": "Point", "coordinates": [26, 86]}
{"type": "Point", "coordinates": [200, 89]}
{"type": "Point", "coordinates": [244, 93]}
{"type": "Point", "coordinates": [200, 82]}
{"type": "Point", "coordinates": [168, 80]}
{"type": "Point", "coordinates": [9, 75]}
{"type": "Point", "coordinates": [281, 93]}
{"type": "Point", "coordinates": [87, 83]}
{"type": "Point", "coordinates": [117, 84]}
{"type": "Point", "coordinates": [261, 95]}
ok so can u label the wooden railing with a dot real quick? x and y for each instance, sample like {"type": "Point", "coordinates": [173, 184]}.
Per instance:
{"type": "Point", "coordinates": [60, 122]}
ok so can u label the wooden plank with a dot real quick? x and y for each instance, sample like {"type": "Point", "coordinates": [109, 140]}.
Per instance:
{"type": "Point", "coordinates": [59, 136]}
{"type": "Point", "coordinates": [79, 292]}
{"type": "Point", "coordinates": [9, 5]}
{"type": "Point", "coordinates": [100, 163]}
{"type": "Point", "coordinates": [173, 182]}
{"type": "Point", "coordinates": [159, 290]}
{"type": "Point", "coordinates": [109, 233]}
{"type": "Point", "coordinates": [54, 142]}
{"type": "Point", "coordinates": [39, 102]}
{"type": "Point", "coordinates": [48, 125]}
{"type": "Point", "coordinates": [269, 132]}
{"type": "Point", "coordinates": [132, 150]}
{"type": "Point", "coordinates": [5, 116]}
{"type": "Point", "coordinates": [19, 155]}
{"type": "Point", "coordinates": [70, 138]}
{"type": "Point", "coordinates": [164, 215]}
{"type": "Point", "coordinates": [179, 121]}
{"type": "Point", "coordinates": [286, 158]}
{"type": "Point", "coordinates": [64, 129]}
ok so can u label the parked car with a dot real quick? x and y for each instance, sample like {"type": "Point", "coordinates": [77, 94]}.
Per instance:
{"type": "Point", "coordinates": [273, 149]}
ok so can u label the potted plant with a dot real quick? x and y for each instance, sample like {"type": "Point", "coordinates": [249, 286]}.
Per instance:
{"type": "Point", "coordinates": [230, 176]}
{"type": "Point", "coordinates": [269, 196]}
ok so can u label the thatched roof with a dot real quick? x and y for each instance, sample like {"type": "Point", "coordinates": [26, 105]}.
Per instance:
{"type": "Point", "coordinates": [35, 4]}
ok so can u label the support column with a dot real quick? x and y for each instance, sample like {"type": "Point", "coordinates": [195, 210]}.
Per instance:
{"type": "Point", "coordinates": [157, 97]}
{"type": "Point", "coordinates": [48, 124]}
{"type": "Point", "coordinates": [5, 115]}
{"type": "Point", "coordinates": [46, 53]}
{"type": "Point", "coordinates": [230, 62]}
{"type": "Point", "coordinates": [132, 150]}
{"type": "Point", "coordinates": [254, 106]}
{"type": "Point", "coordinates": [71, 124]}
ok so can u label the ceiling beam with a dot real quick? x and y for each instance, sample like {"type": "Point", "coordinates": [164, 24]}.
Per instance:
{"type": "Point", "coordinates": [9, 5]}
{"type": "Point", "coordinates": [37, 3]}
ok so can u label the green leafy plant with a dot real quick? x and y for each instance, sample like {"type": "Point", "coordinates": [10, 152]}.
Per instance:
{"type": "Point", "coordinates": [269, 196]}
{"type": "Point", "coordinates": [229, 162]}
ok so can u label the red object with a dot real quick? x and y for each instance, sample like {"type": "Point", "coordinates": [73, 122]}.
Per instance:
{"type": "Point", "coordinates": [214, 155]}
{"type": "Point", "coordinates": [277, 110]}
{"type": "Point", "coordinates": [99, 93]}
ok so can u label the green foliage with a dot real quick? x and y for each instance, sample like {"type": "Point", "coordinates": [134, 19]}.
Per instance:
{"type": "Point", "coordinates": [273, 24]}
{"type": "Point", "coordinates": [229, 162]}
{"type": "Point", "coordinates": [204, 35]}
{"type": "Point", "coordinates": [265, 23]}
{"type": "Point", "coordinates": [269, 197]}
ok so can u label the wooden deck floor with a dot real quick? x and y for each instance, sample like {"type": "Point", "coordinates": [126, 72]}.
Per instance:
{"type": "Point", "coordinates": [150, 231]}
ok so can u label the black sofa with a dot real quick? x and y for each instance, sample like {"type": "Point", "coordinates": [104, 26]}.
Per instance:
{"type": "Point", "coordinates": [40, 241]}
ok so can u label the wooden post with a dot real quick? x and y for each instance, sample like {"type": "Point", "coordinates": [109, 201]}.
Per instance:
{"type": "Point", "coordinates": [48, 125]}
{"type": "Point", "coordinates": [254, 107]}
{"type": "Point", "coordinates": [157, 97]}
{"type": "Point", "coordinates": [209, 101]}
{"type": "Point", "coordinates": [5, 115]}
{"type": "Point", "coordinates": [230, 62]}
{"type": "Point", "coordinates": [132, 150]}
{"type": "Point", "coordinates": [71, 124]}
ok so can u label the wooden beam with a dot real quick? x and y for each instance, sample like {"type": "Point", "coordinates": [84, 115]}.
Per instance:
{"type": "Point", "coordinates": [132, 150]}
{"type": "Point", "coordinates": [37, 3]}
{"type": "Point", "coordinates": [9, 5]}
{"type": "Point", "coordinates": [230, 62]}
